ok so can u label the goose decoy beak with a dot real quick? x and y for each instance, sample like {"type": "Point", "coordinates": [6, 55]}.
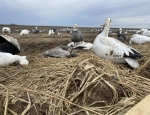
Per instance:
{"type": "Point", "coordinates": [103, 25]}
{"type": "Point", "coordinates": [68, 56]}
{"type": "Point", "coordinates": [21, 65]}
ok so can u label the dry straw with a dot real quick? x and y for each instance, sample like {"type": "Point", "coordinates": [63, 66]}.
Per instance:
{"type": "Point", "coordinates": [82, 85]}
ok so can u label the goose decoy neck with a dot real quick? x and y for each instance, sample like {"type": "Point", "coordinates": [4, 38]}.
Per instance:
{"type": "Point", "coordinates": [120, 30]}
{"type": "Point", "coordinates": [106, 27]}
{"type": "Point", "coordinates": [74, 29]}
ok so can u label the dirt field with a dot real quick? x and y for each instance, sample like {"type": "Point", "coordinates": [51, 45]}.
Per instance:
{"type": "Point", "coordinates": [80, 85]}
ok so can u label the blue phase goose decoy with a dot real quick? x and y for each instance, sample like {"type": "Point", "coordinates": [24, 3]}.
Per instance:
{"type": "Point", "coordinates": [114, 50]}
{"type": "Point", "coordinates": [76, 35]}
{"type": "Point", "coordinates": [121, 36]}
{"type": "Point", "coordinates": [36, 31]}
{"type": "Point", "coordinates": [59, 52]}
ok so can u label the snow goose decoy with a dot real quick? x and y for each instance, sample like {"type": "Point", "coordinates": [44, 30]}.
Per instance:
{"type": "Point", "coordinates": [24, 33]}
{"type": "Point", "coordinates": [6, 31]}
{"type": "Point", "coordinates": [53, 32]}
{"type": "Point", "coordinates": [81, 45]}
{"type": "Point", "coordinates": [9, 44]}
{"type": "Point", "coordinates": [7, 59]}
{"type": "Point", "coordinates": [59, 52]}
{"type": "Point", "coordinates": [114, 50]}
{"type": "Point", "coordinates": [76, 35]}
{"type": "Point", "coordinates": [139, 39]}
{"type": "Point", "coordinates": [146, 32]}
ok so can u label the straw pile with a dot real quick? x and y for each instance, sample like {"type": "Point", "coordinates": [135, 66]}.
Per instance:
{"type": "Point", "coordinates": [84, 85]}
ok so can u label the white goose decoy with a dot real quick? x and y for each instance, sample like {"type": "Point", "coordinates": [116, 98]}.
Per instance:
{"type": "Point", "coordinates": [146, 32]}
{"type": "Point", "coordinates": [81, 45]}
{"type": "Point", "coordinates": [50, 32]}
{"type": "Point", "coordinates": [53, 32]}
{"type": "Point", "coordinates": [24, 33]}
{"type": "Point", "coordinates": [7, 58]}
{"type": "Point", "coordinates": [139, 39]}
{"type": "Point", "coordinates": [6, 31]}
{"type": "Point", "coordinates": [114, 50]}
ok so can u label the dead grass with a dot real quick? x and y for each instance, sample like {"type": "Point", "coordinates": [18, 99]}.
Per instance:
{"type": "Point", "coordinates": [83, 85]}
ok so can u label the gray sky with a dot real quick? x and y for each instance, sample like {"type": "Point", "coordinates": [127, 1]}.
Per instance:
{"type": "Point", "coordinates": [85, 13]}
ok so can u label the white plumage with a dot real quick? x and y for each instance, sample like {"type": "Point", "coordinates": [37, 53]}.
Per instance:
{"type": "Point", "coordinates": [52, 32]}
{"type": "Point", "coordinates": [24, 33]}
{"type": "Point", "coordinates": [81, 45]}
{"type": "Point", "coordinates": [139, 39]}
{"type": "Point", "coordinates": [146, 32]}
{"type": "Point", "coordinates": [114, 50]}
{"type": "Point", "coordinates": [6, 59]}
{"type": "Point", "coordinates": [6, 30]}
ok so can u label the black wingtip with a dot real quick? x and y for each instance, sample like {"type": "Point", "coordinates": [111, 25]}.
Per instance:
{"type": "Point", "coordinates": [80, 47]}
{"type": "Point", "coordinates": [72, 55]}
{"type": "Point", "coordinates": [135, 55]}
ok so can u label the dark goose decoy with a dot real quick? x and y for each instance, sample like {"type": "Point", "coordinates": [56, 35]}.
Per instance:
{"type": "Point", "coordinates": [9, 44]}
{"type": "Point", "coordinates": [36, 31]}
{"type": "Point", "coordinates": [114, 50]}
{"type": "Point", "coordinates": [76, 35]}
{"type": "Point", "coordinates": [121, 36]}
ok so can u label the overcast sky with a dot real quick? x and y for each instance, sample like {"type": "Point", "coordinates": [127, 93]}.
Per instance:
{"type": "Point", "coordinates": [85, 13]}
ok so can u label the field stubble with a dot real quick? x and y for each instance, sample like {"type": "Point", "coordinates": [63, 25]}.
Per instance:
{"type": "Point", "coordinates": [81, 85]}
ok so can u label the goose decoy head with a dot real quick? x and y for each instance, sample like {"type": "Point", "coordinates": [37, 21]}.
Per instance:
{"type": "Point", "coordinates": [107, 21]}
{"type": "Point", "coordinates": [23, 61]}
{"type": "Point", "coordinates": [75, 27]}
